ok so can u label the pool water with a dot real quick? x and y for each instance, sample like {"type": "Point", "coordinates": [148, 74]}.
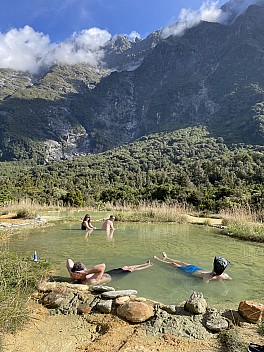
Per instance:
{"type": "Point", "coordinates": [134, 243]}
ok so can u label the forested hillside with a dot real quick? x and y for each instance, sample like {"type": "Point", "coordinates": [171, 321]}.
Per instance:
{"type": "Point", "coordinates": [182, 166]}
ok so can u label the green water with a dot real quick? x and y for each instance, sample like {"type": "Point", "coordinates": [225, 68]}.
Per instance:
{"type": "Point", "coordinates": [134, 243]}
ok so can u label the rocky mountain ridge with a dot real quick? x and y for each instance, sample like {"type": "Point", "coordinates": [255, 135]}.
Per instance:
{"type": "Point", "coordinates": [212, 76]}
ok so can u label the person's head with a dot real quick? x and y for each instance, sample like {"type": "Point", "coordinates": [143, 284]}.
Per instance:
{"type": "Point", "coordinates": [78, 266]}
{"type": "Point", "coordinates": [220, 265]}
{"type": "Point", "coordinates": [112, 217]}
{"type": "Point", "coordinates": [87, 217]}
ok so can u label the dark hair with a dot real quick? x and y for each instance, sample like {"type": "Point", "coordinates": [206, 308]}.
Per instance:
{"type": "Point", "coordinates": [220, 265]}
{"type": "Point", "coordinates": [78, 266]}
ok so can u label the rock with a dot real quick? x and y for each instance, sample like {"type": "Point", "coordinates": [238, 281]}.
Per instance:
{"type": "Point", "coordinates": [196, 304]}
{"type": "Point", "coordinates": [135, 312]}
{"type": "Point", "coordinates": [83, 308]}
{"type": "Point", "coordinates": [115, 294]}
{"type": "Point", "coordinates": [121, 300]}
{"type": "Point", "coordinates": [100, 289]}
{"type": "Point", "coordinates": [253, 312]}
{"type": "Point", "coordinates": [104, 306]}
{"type": "Point", "coordinates": [56, 299]}
{"type": "Point", "coordinates": [47, 286]}
{"type": "Point", "coordinates": [181, 325]}
{"type": "Point", "coordinates": [169, 308]}
{"type": "Point", "coordinates": [78, 287]}
{"type": "Point", "coordinates": [217, 323]}
{"type": "Point", "coordinates": [53, 286]}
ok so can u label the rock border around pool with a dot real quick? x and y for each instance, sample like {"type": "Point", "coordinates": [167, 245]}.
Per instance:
{"type": "Point", "coordinates": [193, 320]}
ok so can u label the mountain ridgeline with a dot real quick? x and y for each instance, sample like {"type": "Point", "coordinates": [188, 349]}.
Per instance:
{"type": "Point", "coordinates": [210, 76]}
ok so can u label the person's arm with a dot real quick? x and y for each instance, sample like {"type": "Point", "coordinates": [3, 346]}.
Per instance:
{"type": "Point", "coordinates": [87, 225]}
{"type": "Point", "coordinates": [112, 226]}
{"type": "Point", "coordinates": [92, 227]}
{"type": "Point", "coordinates": [97, 272]}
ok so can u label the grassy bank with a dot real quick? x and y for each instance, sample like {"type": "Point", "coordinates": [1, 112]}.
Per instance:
{"type": "Point", "coordinates": [18, 278]}
{"type": "Point", "coordinates": [240, 222]}
{"type": "Point", "coordinates": [244, 223]}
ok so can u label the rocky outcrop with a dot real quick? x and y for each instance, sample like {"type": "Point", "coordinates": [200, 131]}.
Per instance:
{"type": "Point", "coordinates": [193, 319]}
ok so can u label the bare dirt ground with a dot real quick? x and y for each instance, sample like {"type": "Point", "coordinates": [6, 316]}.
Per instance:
{"type": "Point", "coordinates": [104, 333]}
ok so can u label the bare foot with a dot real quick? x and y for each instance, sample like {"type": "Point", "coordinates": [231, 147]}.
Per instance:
{"type": "Point", "coordinates": [155, 257]}
{"type": "Point", "coordinates": [164, 255]}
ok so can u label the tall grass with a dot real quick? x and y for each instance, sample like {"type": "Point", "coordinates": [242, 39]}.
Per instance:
{"type": "Point", "coordinates": [245, 223]}
{"type": "Point", "coordinates": [154, 211]}
{"type": "Point", "coordinates": [18, 279]}
{"type": "Point", "coordinates": [27, 207]}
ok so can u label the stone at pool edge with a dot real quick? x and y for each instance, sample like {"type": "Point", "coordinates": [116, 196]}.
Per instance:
{"type": "Point", "coordinates": [115, 294]}
{"type": "Point", "coordinates": [217, 323]}
{"type": "Point", "coordinates": [101, 289]}
{"type": "Point", "coordinates": [135, 312]}
{"type": "Point", "coordinates": [253, 312]}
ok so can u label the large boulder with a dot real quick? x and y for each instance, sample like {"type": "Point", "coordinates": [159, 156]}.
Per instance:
{"type": "Point", "coordinates": [135, 312]}
{"type": "Point", "coordinates": [253, 312]}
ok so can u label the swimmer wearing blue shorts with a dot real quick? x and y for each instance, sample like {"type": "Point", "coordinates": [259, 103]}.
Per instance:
{"type": "Point", "coordinates": [194, 270]}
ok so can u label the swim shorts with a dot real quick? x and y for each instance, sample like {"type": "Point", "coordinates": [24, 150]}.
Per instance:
{"type": "Point", "coordinates": [119, 272]}
{"type": "Point", "coordinates": [189, 268]}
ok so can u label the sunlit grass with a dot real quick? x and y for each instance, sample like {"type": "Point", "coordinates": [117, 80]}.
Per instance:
{"type": "Point", "coordinates": [18, 279]}
{"type": "Point", "coordinates": [244, 223]}
{"type": "Point", "coordinates": [159, 212]}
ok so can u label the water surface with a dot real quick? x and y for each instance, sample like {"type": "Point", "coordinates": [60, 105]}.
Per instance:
{"type": "Point", "coordinates": [134, 243]}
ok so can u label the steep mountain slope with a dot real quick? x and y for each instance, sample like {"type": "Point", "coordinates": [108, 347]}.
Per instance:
{"type": "Point", "coordinates": [212, 75]}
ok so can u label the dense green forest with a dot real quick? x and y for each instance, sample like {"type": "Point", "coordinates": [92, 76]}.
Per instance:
{"type": "Point", "coordinates": [186, 166]}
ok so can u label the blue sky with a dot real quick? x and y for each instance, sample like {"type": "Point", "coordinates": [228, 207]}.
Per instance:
{"type": "Point", "coordinates": [60, 18]}
{"type": "Point", "coordinates": [40, 33]}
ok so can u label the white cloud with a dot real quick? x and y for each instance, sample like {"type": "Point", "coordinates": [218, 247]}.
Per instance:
{"type": "Point", "coordinates": [26, 50]}
{"type": "Point", "coordinates": [188, 18]}
{"type": "Point", "coordinates": [134, 35]}
{"type": "Point", "coordinates": [209, 12]}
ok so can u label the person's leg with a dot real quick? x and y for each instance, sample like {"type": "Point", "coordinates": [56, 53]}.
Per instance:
{"type": "Point", "coordinates": [138, 266]}
{"type": "Point", "coordinates": [173, 262]}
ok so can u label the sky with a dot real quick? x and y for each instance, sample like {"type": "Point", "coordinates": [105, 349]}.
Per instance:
{"type": "Point", "coordinates": [60, 18]}
{"type": "Point", "coordinates": [37, 33]}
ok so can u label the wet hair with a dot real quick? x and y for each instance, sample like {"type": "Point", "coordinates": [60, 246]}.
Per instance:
{"type": "Point", "coordinates": [220, 265]}
{"type": "Point", "coordinates": [78, 266]}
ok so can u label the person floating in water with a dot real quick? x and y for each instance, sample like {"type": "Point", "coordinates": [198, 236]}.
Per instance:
{"type": "Point", "coordinates": [97, 275]}
{"type": "Point", "coordinates": [220, 265]}
{"type": "Point", "coordinates": [86, 223]}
